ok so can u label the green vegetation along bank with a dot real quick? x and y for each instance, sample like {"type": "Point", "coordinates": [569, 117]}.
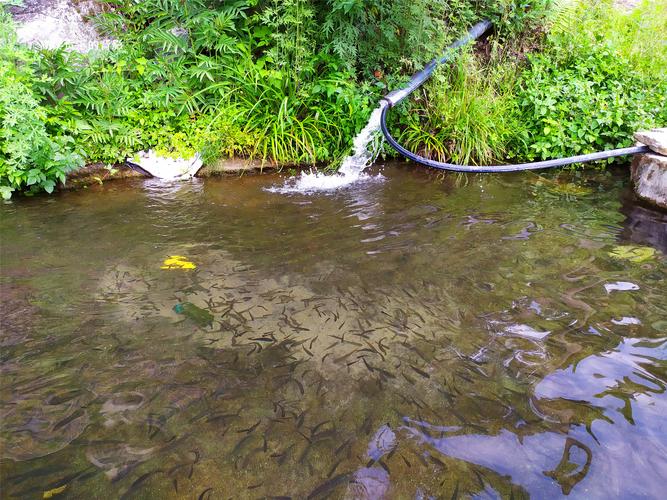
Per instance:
{"type": "Point", "coordinates": [292, 81]}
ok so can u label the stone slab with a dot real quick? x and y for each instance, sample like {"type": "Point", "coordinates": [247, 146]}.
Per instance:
{"type": "Point", "coordinates": [97, 173]}
{"type": "Point", "coordinates": [236, 166]}
{"type": "Point", "coordinates": [649, 176]}
{"type": "Point", "coordinates": [655, 139]}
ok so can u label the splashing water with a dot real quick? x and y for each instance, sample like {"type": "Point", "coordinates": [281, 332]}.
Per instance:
{"type": "Point", "coordinates": [366, 148]}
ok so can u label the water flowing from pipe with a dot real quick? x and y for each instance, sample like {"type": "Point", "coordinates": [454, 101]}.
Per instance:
{"type": "Point", "coordinates": [365, 150]}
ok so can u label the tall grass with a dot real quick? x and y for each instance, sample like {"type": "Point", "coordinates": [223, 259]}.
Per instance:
{"type": "Point", "coordinates": [467, 113]}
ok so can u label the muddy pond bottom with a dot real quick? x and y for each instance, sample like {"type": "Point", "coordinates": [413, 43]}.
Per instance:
{"type": "Point", "coordinates": [422, 337]}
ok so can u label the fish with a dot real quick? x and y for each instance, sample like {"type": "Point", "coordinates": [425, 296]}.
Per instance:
{"type": "Point", "coordinates": [420, 372]}
{"type": "Point", "coordinates": [205, 494]}
{"type": "Point", "coordinates": [329, 485]}
{"type": "Point", "coordinates": [251, 428]}
{"type": "Point", "coordinates": [455, 495]}
{"type": "Point", "coordinates": [342, 446]}
{"type": "Point", "coordinates": [137, 483]}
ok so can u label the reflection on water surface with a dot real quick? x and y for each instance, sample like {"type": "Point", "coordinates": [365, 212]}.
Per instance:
{"type": "Point", "coordinates": [422, 337]}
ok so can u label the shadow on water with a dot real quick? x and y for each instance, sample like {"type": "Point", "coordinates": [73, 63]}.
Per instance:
{"type": "Point", "coordinates": [644, 225]}
{"type": "Point", "coordinates": [427, 336]}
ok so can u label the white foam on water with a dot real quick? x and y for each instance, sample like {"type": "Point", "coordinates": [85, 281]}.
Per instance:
{"type": "Point", "coordinates": [526, 331]}
{"type": "Point", "coordinates": [366, 148]}
{"type": "Point", "coordinates": [620, 286]}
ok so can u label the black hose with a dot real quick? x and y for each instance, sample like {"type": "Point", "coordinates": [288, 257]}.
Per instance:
{"type": "Point", "coordinates": [419, 78]}
{"type": "Point", "coordinates": [559, 162]}
{"type": "Point", "coordinates": [137, 168]}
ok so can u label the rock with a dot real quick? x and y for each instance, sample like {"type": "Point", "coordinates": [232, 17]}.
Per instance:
{"type": "Point", "coordinates": [52, 23]}
{"type": "Point", "coordinates": [235, 166]}
{"type": "Point", "coordinates": [97, 173]}
{"type": "Point", "coordinates": [649, 176]}
{"type": "Point", "coordinates": [655, 139]}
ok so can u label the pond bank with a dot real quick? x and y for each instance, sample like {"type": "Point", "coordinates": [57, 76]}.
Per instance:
{"type": "Point", "coordinates": [97, 173]}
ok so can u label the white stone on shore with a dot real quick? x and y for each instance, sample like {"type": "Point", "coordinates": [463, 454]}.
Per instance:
{"type": "Point", "coordinates": [163, 167]}
{"type": "Point", "coordinates": [655, 139]}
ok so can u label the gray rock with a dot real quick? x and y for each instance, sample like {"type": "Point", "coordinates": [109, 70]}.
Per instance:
{"type": "Point", "coordinates": [52, 23]}
{"type": "Point", "coordinates": [655, 139]}
{"type": "Point", "coordinates": [649, 175]}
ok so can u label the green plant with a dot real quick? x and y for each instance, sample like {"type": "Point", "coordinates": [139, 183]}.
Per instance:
{"type": "Point", "coordinates": [466, 114]}
{"type": "Point", "coordinates": [31, 158]}
{"type": "Point", "coordinates": [598, 80]}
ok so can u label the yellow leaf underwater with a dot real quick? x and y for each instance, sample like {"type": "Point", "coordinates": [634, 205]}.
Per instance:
{"type": "Point", "coordinates": [177, 262]}
{"type": "Point", "coordinates": [54, 492]}
{"type": "Point", "coordinates": [632, 253]}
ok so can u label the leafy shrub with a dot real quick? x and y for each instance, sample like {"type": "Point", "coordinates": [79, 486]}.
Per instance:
{"type": "Point", "coordinates": [599, 79]}
{"type": "Point", "coordinates": [586, 104]}
{"type": "Point", "coordinates": [31, 157]}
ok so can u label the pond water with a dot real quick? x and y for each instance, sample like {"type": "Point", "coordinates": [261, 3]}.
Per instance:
{"type": "Point", "coordinates": [420, 336]}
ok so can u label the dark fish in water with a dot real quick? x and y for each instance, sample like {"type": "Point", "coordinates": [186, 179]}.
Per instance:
{"type": "Point", "coordinates": [200, 316]}
{"type": "Point", "coordinates": [327, 486]}
{"type": "Point", "coordinates": [136, 484]}
{"type": "Point", "coordinates": [251, 428]}
{"type": "Point", "coordinates": [283, 456]}
{"type": "Point", "coordinates": [420, 372]}
{"type": "Point", "coordinates": [205, 494]}
{"type": "Point", "coordinates": [299, 385]}
{"type": "Point", "coordinates": [366, 426]}
{"type": "Point", "coordinates": [78, 413]}
{"type": "Point", "coordinates": [241, 444]}
{"type": "Point", "coordinates": [334, 467]}
{"type": "Point", "coordinates": [384, 466]}
{"type": "Point", "coordinates": [437, 462]}
{"type": "Point", "coordinates": [342, 446]}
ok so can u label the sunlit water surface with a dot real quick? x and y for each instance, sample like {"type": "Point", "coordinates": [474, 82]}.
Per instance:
{"type": "Point", "coordinates": [425, 336]}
